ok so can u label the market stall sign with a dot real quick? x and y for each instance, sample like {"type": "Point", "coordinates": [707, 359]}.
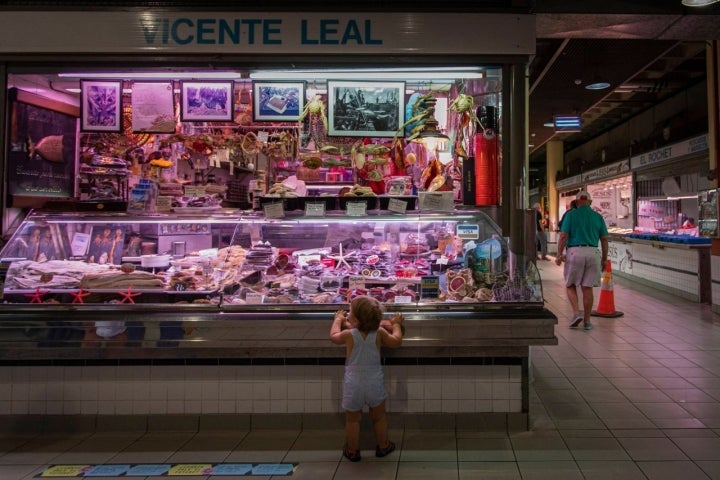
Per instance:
{"type": "Point", "coordinates": [671, 152]}
{"type": "Point", "coordinates": [268, 33]}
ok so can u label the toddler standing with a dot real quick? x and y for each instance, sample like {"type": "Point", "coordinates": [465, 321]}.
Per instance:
{"type": "Point", "coordinates": [364, 382]}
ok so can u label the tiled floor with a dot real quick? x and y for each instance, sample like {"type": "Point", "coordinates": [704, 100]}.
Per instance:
{"type": "Point", "coordinates": [638, 397]}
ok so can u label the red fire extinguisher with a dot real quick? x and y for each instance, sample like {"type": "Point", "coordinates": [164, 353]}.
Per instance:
{"type": "Point", "coordinates": [486, 156]}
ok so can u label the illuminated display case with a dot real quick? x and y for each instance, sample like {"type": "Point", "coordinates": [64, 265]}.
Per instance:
{"type": "Point", "coordinates": [229, 285]}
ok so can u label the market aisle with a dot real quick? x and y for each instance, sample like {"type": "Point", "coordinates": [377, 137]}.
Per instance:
{"type": "Point", "coordinates": [638, 397]}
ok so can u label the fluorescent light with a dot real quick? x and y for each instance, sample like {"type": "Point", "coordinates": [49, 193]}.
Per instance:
{"type": "Point", "coordinates": [448, 74]}
{"type": "Point", "coordinates": [599, 85]}
{"type": "Point", "coordinates": [218, 75]}
{"type": "Point", "coordinates": [698, 3]}
{"type": "Point", "coordinates": [684, 196]}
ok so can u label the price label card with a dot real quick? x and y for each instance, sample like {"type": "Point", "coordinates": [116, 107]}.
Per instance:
{"type": "Point", "coordinates": [439, 201]}
{"type": "Point", "coordinates": [194, 190]}
{"type": "Point", "coordinates": [356, 282]}
{"type": "Point", "coordinates": [254, 298]}
{"type": "Point", "coordinates": [403, 299]}
{"type": "Point", "coordinates": [274, 210]}
{"type": "Point", "coordinates": [263, 136]}
{"type": "Point", "coordinates": [430, 286]}
{"type": "Point", "coordinates": [442, 260]}
{"type": "Point", "coordinates": [355, 209]}
{"type": "Point", "coordinates": [163, 203]}
{"type": "Point", "coordinates": [315, 209]}
{"type": "Point", "coordinates": [397, 206]}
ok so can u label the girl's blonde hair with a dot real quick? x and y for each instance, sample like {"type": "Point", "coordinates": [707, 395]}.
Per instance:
{"type": "Point", "coordinates": [368, 313]}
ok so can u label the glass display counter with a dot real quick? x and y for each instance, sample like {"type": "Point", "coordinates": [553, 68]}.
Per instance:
{"type": "Point", "coordinates": [68, 276]}
{"type": "Point", "coordinates": [235, 289]}
{"type": "Point", "coordinates": [229, 259]}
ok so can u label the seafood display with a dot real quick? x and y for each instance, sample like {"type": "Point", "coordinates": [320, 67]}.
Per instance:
{"type": "Point", "coordinates": [280, 262]}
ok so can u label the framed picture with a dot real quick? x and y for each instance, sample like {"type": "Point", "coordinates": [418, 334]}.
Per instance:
{"type": "Point", "coordinates": [101, 105]}
{"type": "Point", "coordinates": [278, 101]}
{"type": "Point", "coordinates": [206, 101]}
{"type": "Point", "coordinates": [365, 109]}
{"type": "Point", "coordinates": [153, 108]}
{"type": "Point", "coordinates": [40, 148]}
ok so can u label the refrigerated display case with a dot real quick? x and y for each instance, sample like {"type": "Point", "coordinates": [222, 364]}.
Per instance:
{"type": "Point", "coordinates": [66, 271]}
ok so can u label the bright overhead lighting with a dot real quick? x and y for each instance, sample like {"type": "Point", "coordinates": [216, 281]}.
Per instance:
{"type": "Point", "coordinates": [599, 84]}
{"type": "Point", "coordinates": [446, 74]}
{"type": "Point", "coordinates": [698, 3]}
{"type": "Point", "coordinates": [549, 124]}
{"type": "Point", "coordinates": [206, 75]}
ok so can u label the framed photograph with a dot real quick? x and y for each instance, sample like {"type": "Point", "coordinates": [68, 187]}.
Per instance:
{"type": "Point", "coordinates": [206, 101]}
{"type": "Point", "coordinates": [365, 109]}
{"type": "Point", "coordinates": [278, 101]}
{"type": "Point", "coordinates": [101, 105]}
{"type": "Point", "coordinates": [153, 108]}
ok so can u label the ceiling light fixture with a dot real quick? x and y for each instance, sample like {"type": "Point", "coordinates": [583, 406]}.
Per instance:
{"type": "Point", "coordinates": [130, 75]}
{"type": "Point", "coordinates": [430, 133]}
{"type": "Point", "coordinates": [698, 3]}
{"type": "Point", "coordinates": [448, 74]}
{"type": "Point", "coordinates": [598, 84]}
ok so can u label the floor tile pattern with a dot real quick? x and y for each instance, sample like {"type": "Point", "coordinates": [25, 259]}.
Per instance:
{"type": "Point", "coordinates": [637, 397]}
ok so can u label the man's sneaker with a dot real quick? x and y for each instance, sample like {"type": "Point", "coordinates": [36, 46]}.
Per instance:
{"type": "Point", "coordinates": [576, 319]}
{"type": "Point", "coordinates": [588, 326]}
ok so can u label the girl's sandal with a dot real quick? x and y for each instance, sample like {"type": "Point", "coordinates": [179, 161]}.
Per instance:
{"type": "Point", "coordinates": [353, 457]}
{"type": "Point", "coordinates": [381, 452]}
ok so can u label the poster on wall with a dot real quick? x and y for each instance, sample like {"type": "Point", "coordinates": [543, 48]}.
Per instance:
{"type": "Point", "coordinates": [604, 202]}
{"type": "Point", "coordinates": [101, 105]}
{"type": "Point", "coordinates": [153, 107]}
{"type": "Point", "coordinates": [41, 147]}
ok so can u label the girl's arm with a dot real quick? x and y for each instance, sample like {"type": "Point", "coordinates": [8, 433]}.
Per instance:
{"type": "Point", "coordinates": [393, 339]}
{"type": "Point", "coordinates": [339, 336]}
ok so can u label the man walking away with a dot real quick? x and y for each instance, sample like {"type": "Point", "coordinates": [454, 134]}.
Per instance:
{"type": "Point", "coordinates": [582, 230]}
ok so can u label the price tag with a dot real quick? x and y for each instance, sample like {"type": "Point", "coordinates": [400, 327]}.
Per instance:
{"type": "Point", "coordinates": [163, 203]}
{"type": "Point", "coordinates": [274, 210]}
{"type": "Point", "coordinates": [355, 282]}
{"type": "Point", "coordinates": [263, 136]}
{"type": "Point", "coordinates": [442, 260]}
{"type": "Point", "coordinates": [441, 201]}
{"type": "Point", "coordinates": [397, 206]}
{"type": "Point", "coordinates": [430, 286]}
{"type": "Point", "coordinates": [315, 209]}
{"type": "Point", "coordinates": [254, 298]}
{"type": "Point", "coordinates": [194, 191]}
{"type": "Point", "coordinates": [355, 209]}
{"type": "Point", "coordinates": [403, 299]}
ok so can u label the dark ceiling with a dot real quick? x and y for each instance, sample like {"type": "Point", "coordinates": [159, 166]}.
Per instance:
{"type": "Point", "coordinates": [648, 52]}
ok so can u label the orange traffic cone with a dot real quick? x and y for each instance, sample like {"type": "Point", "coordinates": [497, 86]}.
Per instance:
{"type": "Point", "coordinates": [606, 305]}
